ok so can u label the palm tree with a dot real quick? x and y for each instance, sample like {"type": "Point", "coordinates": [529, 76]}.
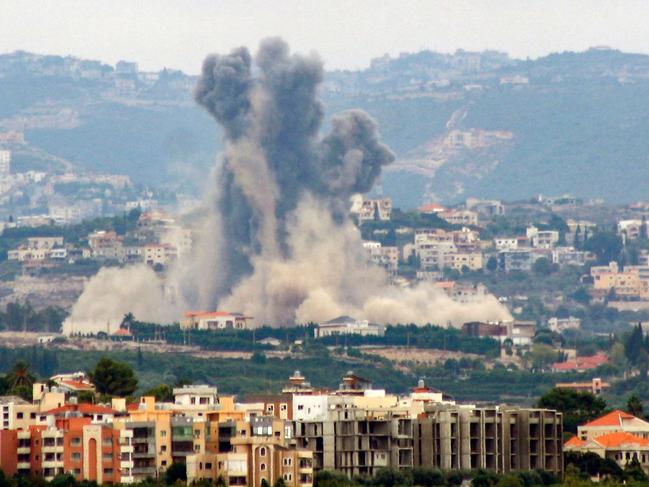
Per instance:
{"type": "Point", "coordinates": [20, 376]}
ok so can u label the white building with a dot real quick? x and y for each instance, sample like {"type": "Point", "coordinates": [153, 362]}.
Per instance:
{"type": "Point", "coordinates": [311, 407]}
{"type": "Point", "coordinates": [346, 325]}
{"type": "Point", "coordinates": [5, 162]}
{"type": "Point", "coordinates": [505, 243]}
{"type": "Point", "coordinates": [196, 397]}
{"type": "Point", "coordinates": [542, 239]}
{"type": "Point", "coordinates": [560, 324]}
{"type": "Point", "coordinates": [387, 257]}
{"type": "Point", "coordinates": [367, 210]}
{"type": "Point", "coordinates": [215, 320]}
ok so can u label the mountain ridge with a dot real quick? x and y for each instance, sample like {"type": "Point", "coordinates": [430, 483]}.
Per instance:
{"type": "Point", "coordinates": [574, 122]}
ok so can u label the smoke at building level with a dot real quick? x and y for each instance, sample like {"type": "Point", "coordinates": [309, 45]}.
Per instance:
{"type": "Point", "coordinates": [276, 242]}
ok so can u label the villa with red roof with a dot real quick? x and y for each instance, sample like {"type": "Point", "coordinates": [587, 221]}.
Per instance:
{"type": "Point", "coordinates": [618, 436]}
{"type": "Point", "coordinates": [614, 422]}
{"type": "Point", "coordinates": [580, 364]}
{"type": "Point", "coordinates": [620, 447]}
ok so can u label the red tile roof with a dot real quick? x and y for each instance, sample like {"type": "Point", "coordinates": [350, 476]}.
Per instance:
{"type": "Point", "coordinates": [431, 208]}
{"type": "Point", "coordinates": [613, 418]}
{"type": "Point", "coordinates": [575, 442]}
{"type": "Point", "coordinates": [615, 440]}
{"type": "Point", "coordinates": [582, 363]}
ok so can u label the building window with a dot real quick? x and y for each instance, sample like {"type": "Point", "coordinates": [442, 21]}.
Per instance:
{"type": "Point", "coordinates": [262, 467]}
{"type": "Point", "coordinates": [163, 433]}
{"type": "Point", "coordinates": [288, 462]}
{"type": "Point", "coordinates": [75, 441]}
{"type": "Point", "coordinates": [208, 466]}
{"type": "Point", "coordinates": [283, 407]}
{"type": "Point", "coordinates": [108, 471]}
{"type": "Point", "coordinates": [163, 448]}
{"type": "Point", "coordinates": [163, 463]}
{"type": "Point", "coordinates": [76, 456]}
{"type": "Point", "coordinates": [19, 415]}
{"type": "Point", "coordinates": [288, 476]}
{"type": "Point", "coordinates": [262, 452]}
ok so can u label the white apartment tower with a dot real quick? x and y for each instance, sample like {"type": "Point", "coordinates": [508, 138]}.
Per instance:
{"type": "Point", "coordinates": [5, 162]}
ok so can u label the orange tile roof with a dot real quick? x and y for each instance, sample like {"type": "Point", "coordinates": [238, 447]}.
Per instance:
{"type": "Point", "coordinates": [613, 418]}
{"type": "Point", "coordinates": [430, 208]}
{"type": "Point", "coordinates": [575, 441]}
{"type": "Point", "coordinates": [615, 440]}
{"type": "Point", "coordinates": [582, 362]}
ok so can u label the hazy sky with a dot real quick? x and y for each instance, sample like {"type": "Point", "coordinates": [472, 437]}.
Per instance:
{"type": "Point", "coordinates": [347, 34]}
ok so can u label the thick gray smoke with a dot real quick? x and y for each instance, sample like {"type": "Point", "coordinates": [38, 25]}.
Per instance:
{"type": "Point", "coordinates": [277, 243]}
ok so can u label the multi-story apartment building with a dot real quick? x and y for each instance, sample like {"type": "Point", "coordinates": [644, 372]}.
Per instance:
{"type": "Point", "coordinates": [502, 439]}
{"type": "Point", "coordinates": [368, 209]}
{"type": "Point", "coordinates": [632, 282]}
{"type": "Point", "coordinates": [358, 441]}
{"type": "Point", "coordinates": [355, 429]}
{"type": "Point", "coordinates": [255, 451]}
{"type": "Point", "coordinates": [436, 248]}
{"type": "Point", "coordinates": [384, 256]}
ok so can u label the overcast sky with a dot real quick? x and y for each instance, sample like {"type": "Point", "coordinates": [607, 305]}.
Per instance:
{"type": "Point", "coordinates": [347, 34]}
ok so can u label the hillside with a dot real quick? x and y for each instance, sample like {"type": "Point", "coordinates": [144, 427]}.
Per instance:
{"type": "Point", "coordinates": [479, 124]}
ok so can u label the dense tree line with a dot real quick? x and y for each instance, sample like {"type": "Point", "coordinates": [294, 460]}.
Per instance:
{"type": "Point", "coordinates": [428, 336]}
{"type": "Point", "coordinates": [24, 317]}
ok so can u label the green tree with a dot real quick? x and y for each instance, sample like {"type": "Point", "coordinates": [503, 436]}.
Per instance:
{"type": "Point", "coordinates": [113, 378]}
{"type": "Point", "coordinates": [543, 267]}
{"type": "Point", "coordinates": [634, 406]}
{"type": "Point", "coordinates": [577, 407]}
{"type": "Point", "coordinates": [634, 345]}
{"type": "Point", "coordinates": [162, 393]}
{"type": "Point", "coordinates": [633, 471]}
{"type": "Point", "coordinates": [484, 478]}
{"type": "Point", "coordinates": [581, 295]}
{"type": "Point", "coordinates": [20, 376]}
{"type": "Point", "coordinates": [606, 246]}
{"type": "Point", "coordinates": [63, 480]}
{"type": "Point", "coordinates": [176, 471]}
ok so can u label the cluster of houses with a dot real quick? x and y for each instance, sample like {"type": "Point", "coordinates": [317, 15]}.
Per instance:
{"type": "Point", "coordinates": [462, 249]}
{"type": "Point", "coordinates": [157, 241]}
{"type": "Point", "coordinates": [355, 429]}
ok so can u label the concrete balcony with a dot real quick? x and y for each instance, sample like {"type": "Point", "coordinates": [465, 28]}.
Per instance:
{"type": "Point", "coordinates": [23, 466]}
{"type": "Point", "coordinates": [23, 450]}
{"type": "Point", "coordinates": [53, 449]}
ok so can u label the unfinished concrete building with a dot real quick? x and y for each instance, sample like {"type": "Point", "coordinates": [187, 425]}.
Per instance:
{"type": "Point", "coordinates": [357, 441]}
{"type": "Point", "coordinates": [501, 439]}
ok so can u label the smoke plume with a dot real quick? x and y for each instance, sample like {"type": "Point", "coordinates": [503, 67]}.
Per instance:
{"type": "Point", "coordinates": [277, 243]}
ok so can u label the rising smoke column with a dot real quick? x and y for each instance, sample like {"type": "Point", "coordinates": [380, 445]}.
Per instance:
{"type": "Point", "coordinates": [285, 250]}
{"type": "Point", "coordinates": [275, 241]}
{"type": "Point", "coordinates": [274, 157]}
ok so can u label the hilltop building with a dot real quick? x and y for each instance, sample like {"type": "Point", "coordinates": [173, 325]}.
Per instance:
{"type": "Point", "coordinates": [215, 320]}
